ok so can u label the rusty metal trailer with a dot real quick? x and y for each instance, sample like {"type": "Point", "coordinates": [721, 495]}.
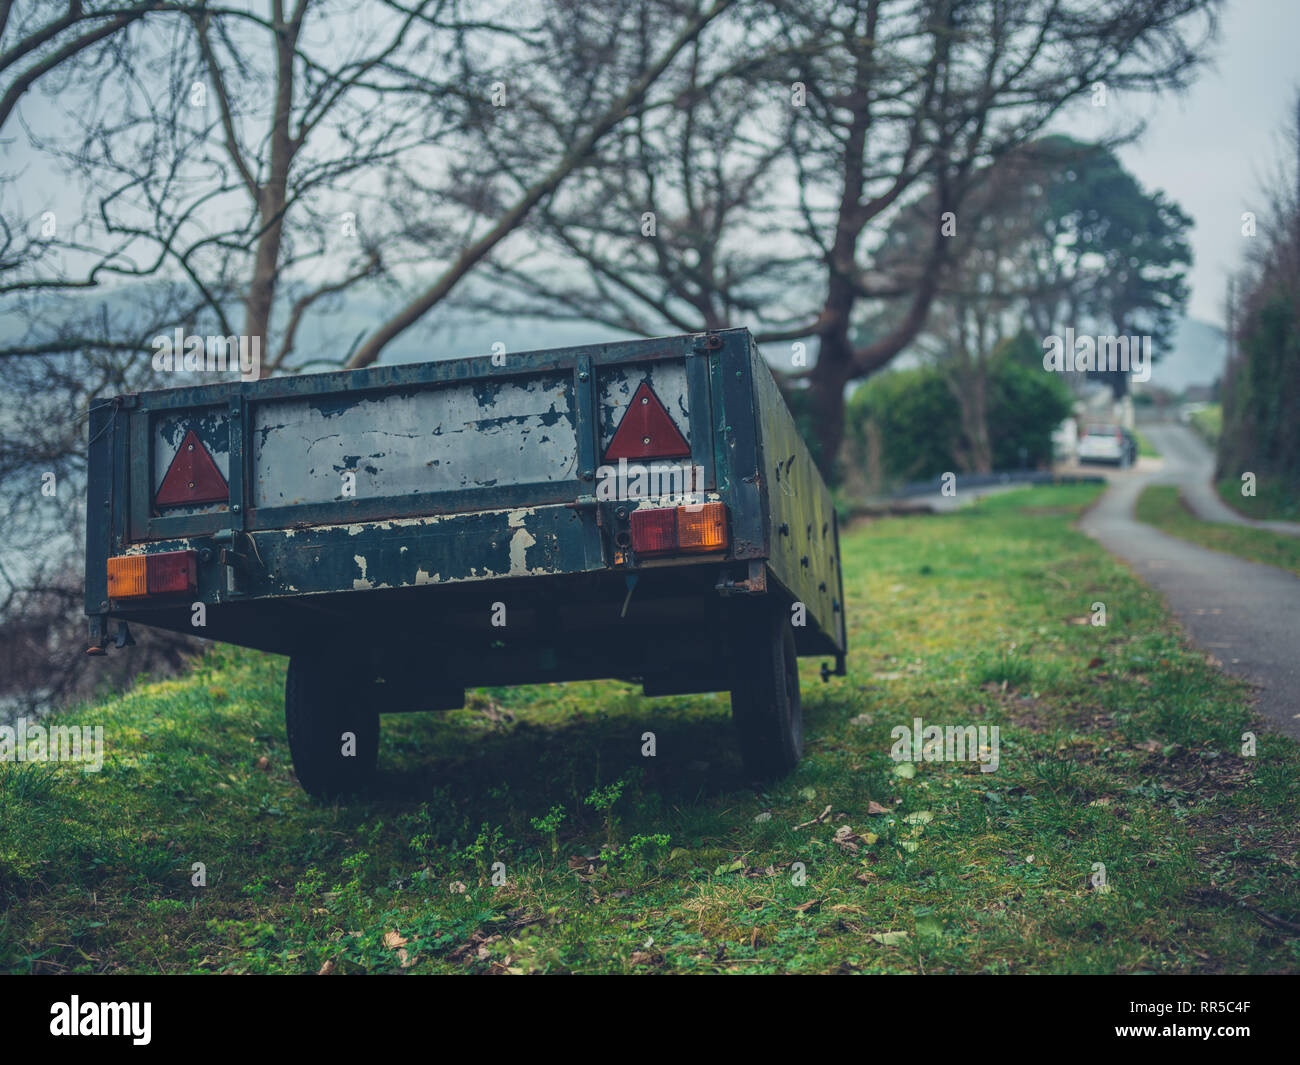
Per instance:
{"type": "Point", "coordinates": [642, 510]}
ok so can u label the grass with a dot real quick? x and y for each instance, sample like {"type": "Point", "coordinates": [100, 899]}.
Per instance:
{"type": "Point", "coordinates": [1121, 752]}
{"type": "Point", "coordinates": [1274, 499]}
{"type": "Point", "coordinates": [1162, 506]}
{"type": "Point", "coordinates": [1208, 421]}
{"type": "Point", "coordinates": [1146, 449]}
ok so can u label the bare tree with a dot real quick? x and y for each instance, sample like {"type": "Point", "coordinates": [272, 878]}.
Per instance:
{"type": "Point", "coordinates": [277, 160]}
{"type": "Point", "coordinates": [674, 223]}
{"type": "Point", "coordinates": [43, 37]}
{"type": "Point", "coordinates": [566, 120]}
{"type": "Point", "coordinates": [862, 107]}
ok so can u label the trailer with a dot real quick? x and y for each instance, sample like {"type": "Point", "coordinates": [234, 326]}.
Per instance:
{"type": "Point", "coordinates": [643, 510]}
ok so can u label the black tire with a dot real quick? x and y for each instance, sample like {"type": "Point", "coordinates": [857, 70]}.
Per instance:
{"type": "Point", "coordinates": [765, 702]}
{"type": "Point", "coordinates": [322, 702]}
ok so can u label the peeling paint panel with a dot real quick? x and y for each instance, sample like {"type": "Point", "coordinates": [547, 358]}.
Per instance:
{"type": "Point", "coordinates": [804, 549]}
{"type": "Point", "coordinates": [447, 438]}
{"type": "Point", "coordinates": [525, 542]}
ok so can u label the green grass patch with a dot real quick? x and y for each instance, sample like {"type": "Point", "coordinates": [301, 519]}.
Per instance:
{"type": "Point", "coordinates": [1208, 421]}
{"type": "Point", "coordinates": [1161, 505]}
{"type": "Point", "coordinates": [1146, 449]}
{"type": "Point", "coordinates": [1274, 499]}
{"type": "Point", "coordinates": [526, 832]}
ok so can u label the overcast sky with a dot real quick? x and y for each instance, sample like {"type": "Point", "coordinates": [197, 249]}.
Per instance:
{"type": "Point", "coordinates": [1210, 148]}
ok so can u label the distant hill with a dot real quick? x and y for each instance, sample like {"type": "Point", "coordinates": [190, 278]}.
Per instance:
{"type": "Point", "coordinates": [1196, 357]}
{"type": "Point", "coordinates": [331, 330]}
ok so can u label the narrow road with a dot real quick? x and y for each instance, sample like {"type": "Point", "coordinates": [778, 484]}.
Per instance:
{"type": "Point", "coordinates": [1245, 614]}
{"type": "Point", "coordinates": [1189, 464]}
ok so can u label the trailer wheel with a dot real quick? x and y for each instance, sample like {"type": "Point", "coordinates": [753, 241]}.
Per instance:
{"type": "Point", "coordinates": [765, 696]}
{"type": "Point", "coordinates": [333, 727]}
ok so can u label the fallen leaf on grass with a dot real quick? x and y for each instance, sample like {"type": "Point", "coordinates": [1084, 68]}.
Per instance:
{"type": "Point", "coordinates": [850, 842]}
{"type": "Point", "coordinates": [889, 939]}
{"type": "Point", "coordinates": [477, 945]}
{"type": "Point", "coordinates": [874, 807]}
{"type": "Point", "coordinates": [818, 819]}
{"type": "Point", "coordinates": [929, 926]}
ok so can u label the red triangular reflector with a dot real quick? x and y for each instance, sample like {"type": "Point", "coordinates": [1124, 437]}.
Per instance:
{"type": "Point", "coordinates": [646, 431]}
{"type": "Point", "coordinates": [192, 477]}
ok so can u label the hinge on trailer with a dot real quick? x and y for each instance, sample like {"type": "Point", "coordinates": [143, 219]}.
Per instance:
{"type": "Point", "coordinates": [705, 343]}
{"type": "Point", "coordinates": [838, 671]}
{"type": "Point", "coordinates": [236, 552]}
{"type": "Point", "coordinates": [99, 646]}
{"type": "Point", "coordinates": [586, 503]}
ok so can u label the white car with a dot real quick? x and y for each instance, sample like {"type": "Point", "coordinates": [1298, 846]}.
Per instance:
{"type": "Point", "coordinates": [1107, 443]}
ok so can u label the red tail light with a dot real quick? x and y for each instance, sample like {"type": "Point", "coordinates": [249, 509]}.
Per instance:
{"type": "Point", "coordinates": [175, 571]}
{"type": "Point", "coordinates": [654, 532]}
{"type": "Point", "coordinates": [673, 530]}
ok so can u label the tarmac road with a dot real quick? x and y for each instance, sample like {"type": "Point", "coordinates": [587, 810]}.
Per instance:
{"type": "Point", "coordinates": [1189, 464]}
{"type": "Point", "coordinates": [1245, 614]}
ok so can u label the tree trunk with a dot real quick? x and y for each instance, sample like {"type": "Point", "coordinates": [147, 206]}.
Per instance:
{"type": "Point", "coordinates": [829, 377]}
{"type": "Point", "coordinates": [972, 401]}
{"type": "Point", "coordinates": [272, 197]}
